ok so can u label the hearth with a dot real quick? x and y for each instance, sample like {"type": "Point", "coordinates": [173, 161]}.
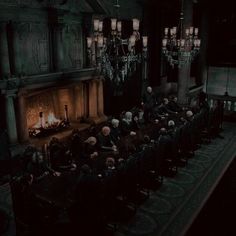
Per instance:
{"type": "Point", "coordinates": [49, 126]}
{"type": "Point", "coordinates": [40, 105]}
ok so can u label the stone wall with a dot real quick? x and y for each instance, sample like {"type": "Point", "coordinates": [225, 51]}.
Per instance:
{"type": "Point", "coordinates": [220, 80]}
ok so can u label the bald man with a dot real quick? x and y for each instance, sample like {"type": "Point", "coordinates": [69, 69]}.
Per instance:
{"type": "Point", "coordinates": [148, 102]}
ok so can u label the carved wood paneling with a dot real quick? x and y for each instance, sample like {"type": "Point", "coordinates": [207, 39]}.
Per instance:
{"type": "Point", "coordinates": [73, 46]}
{"type": "Point", "coordinates": [33, 43]}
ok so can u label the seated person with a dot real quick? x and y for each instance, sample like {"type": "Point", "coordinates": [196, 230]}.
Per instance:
{"type": "Point", "coordinates": [146, 143]}
{"type": "Point", "coordinates": [173, 105]}
{"type": "Point", "coordinates": [127, 124]}
{"type": "Point", "coordinates": [171, 126]}
{"type": "Point", "coordinates": [110, 166]}
{"type": "Point", "coordinates": [105, 141]}
{"type": "Point", "coordinates": [189, 115]}
{"type": "Point", "coordinates": [89, 150]}
{"type": "Point", "coordinates": [60, 157]}
{"type": "Point", "coordinates": [76, 144]}
{"type": "Point", "coordinates": [39, 168]}
{"type": "Point", "coordinates": [88, 208]}
{"type": "Point", "coordinates": [115, 130]}
{"type": "Point", "coordinates": [138, 120]}
{"type": "Point", "coordinates": [157, 115]}
{"type": "Point", "coordinates": [164, 108]}
{"type": "Point", "coordinates": [27, 155]}
{"type": "Point", "coordinates": [182, 120]}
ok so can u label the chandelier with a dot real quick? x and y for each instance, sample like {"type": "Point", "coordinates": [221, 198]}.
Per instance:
{"type": "Point", "coordinates": [180, 46]}
{"type": "Point", "coordinates": [115, 56]}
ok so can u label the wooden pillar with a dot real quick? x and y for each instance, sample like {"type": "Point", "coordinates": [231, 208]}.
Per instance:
{"type": "Point", "coordinates": [93, 108]}
{"type": "Point", "coordinates": [100, 101]}
{"type": "Point", "coordinates": [79, 101]}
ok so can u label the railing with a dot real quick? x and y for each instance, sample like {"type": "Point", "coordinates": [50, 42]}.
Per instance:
{"type": "Point", "coordinates": [229, 102]}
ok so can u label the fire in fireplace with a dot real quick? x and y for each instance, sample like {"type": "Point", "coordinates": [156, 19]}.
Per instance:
{"type": "Point", "coordinates": [45, 127]}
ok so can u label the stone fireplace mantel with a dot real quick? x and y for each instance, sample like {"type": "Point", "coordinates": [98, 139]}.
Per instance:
{"type": "Point", "coordinates": [83, 88]}
{"type": "Point", "coordinates": [51, 79]}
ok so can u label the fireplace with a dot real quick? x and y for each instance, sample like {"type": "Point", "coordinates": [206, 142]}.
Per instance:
{"type": "Point", "coordinates": [50, 111]}
{"type": "Point", "coordinates": [52, 102]}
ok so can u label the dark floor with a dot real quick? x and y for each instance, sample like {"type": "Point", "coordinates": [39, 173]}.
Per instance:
{"type": "Point", "coordinates": [218, 215]}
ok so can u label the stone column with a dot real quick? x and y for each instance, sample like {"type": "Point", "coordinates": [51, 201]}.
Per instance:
{"type": "Point", "coordinates": [4, 55]}
{"type": "Point", "coordinates": [184, 71]}
{"type": "Point", "coordinates": [58, 52]}
{"type": "Point", "coordinates": [10, 117]}
{"type": "Point", "coordinates": [22, 127]}
{"type": "Point", "coordinates": [93, 108]}
{"type": "Point", "coordinates": [100, 101]}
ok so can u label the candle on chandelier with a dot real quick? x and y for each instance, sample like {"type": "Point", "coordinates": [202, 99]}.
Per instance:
{"type": "Point", "coordinates": [174, 30]}
{"type": "Point", "coordinates": [100, 26]}
{"type": "Point", "coordinates": [166, 31]}
{"type": "Point", "coordinates": [132, 40]}
{"type": "Point", "coordinates": [135, 24]}
{"type": "Point", "coordinates": [196, 31]}
{"type": "Point", "coordinates": [198, 43]}
{"type": "Point", "coordinates": [89, 42]}
{"type": "Point", "coordinates": [145, 41]}
{"type": "Point", "coordinates": [96, 24]}
{"type": "Point", "coordinates": [187, 32]}
{"type": "Point", "coordinates": [182, 42]}
{"type": "Point", "coordinates": [119, 26]}
{"type": "Point", "coordinates": [191, 30]}
{"type": "Point", "coordinates": [164, 42]}
{"type": "Point", "coordinates": [113, 24]}
{"type": "Point", "coordinates": [100, 41]}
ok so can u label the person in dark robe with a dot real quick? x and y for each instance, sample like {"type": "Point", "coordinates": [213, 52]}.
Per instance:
{"type": "Point", "coordinates": [39, 168]}
{"type": "Point", "coordinates": [164, 108]}
{"type": "Point", "coordinates": [88, 207]}
{"type": "Point", "coordinates": [89, 152]}
{"type": "Point", "coordinates": [76, 144]}
{"type": "Point", "coordinates": [105, 141]}
{"type": "Point", "coordinates": [127, 124]}
{"type": "Point", "coordinates": [148, 102]}
{"type": "Point", "coordinates": [115, 130]}
{"type": "Point", "coordinates": [60, 156]}
{"type": "Point", "coordinates": [173, 105]}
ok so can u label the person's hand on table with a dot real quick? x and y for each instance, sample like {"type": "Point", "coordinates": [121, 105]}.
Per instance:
{"type": "Point", "coordinates": [56, 173]}
{"type": "Point", "coordinates": [73, 167]}
{"type": "Point", "coordinates": [132, 133]}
